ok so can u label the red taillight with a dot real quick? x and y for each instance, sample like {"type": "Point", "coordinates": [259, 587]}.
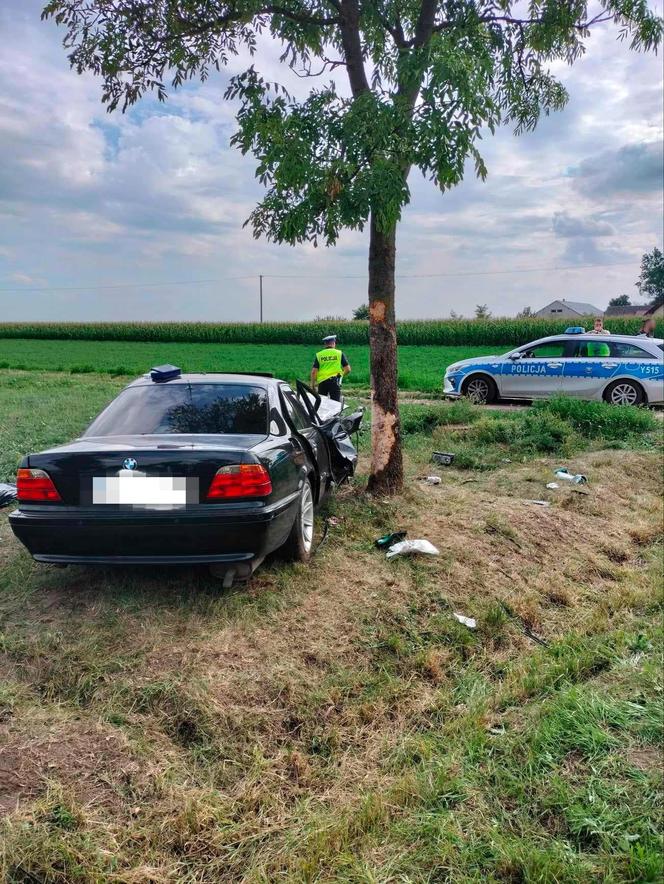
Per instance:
{"type": "Point", "coordinates": [35, 485]}
{"type": "Point", "coordinates": [240, 480]}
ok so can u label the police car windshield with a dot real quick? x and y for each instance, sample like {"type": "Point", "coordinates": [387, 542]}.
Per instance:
{"type": "Point", "coordinates": [205, 409]}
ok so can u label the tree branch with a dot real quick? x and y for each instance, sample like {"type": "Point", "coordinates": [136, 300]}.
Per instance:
{"type": "Point", "coordinates": [425, 22]}
{"type": "Point", "coordinates": [519, 22]}
{"type": "Point", "coordinates": [303, 18]}
{"type": "Point", "coordinates": [352, 46]}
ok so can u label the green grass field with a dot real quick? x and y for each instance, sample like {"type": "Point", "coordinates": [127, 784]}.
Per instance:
{"type": "Point", "coordinates": [335, 724]}
{"type": "Point", "coordinates": [420, 368]}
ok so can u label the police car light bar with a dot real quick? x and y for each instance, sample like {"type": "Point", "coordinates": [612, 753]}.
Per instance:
{"type": "Point", "coordinates": [575, 330]}
{"type": "Point", "coordinates": [162, 373]}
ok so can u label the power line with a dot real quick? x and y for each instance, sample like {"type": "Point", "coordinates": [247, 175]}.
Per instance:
{"type": "Point", "coordinates": [124, 285]}
{"type": "Point", "coordinates": [191, 282]}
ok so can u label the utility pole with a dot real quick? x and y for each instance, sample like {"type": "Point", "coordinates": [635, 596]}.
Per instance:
{"type": "Point", "coordinates": [261, 294]}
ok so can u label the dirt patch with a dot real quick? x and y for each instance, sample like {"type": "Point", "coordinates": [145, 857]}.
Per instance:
{"type": "Point", "coordinates": [647, 758]}
{"type": "Point", "coordinates": [94, 764]}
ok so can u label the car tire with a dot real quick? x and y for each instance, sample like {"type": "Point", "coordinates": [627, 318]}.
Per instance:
{"type": "Point", "coordinates": [480, 389]}
{"type": "Point", "coordinates": [299, 543]}
{"type": "Point", "coordinates": [624, 393]}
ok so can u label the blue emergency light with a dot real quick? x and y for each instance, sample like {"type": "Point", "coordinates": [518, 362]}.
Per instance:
{"type": "Point", "coordinates": [575, 330]}
{"type": "Point", "coordinates": [162, 373]}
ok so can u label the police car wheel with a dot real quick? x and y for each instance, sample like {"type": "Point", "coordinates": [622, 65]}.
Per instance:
{"type": "Point", "coordinates": [300, 541]}
{"type": "Point", "coordinates": [624, 393]}
{"type": "Point", "coordinates": [480, 390]}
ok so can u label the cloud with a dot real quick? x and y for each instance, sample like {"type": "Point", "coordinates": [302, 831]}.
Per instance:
{"type": "Point", "coordinates": [157, 195]}
{"type": "Point", "coordinates": [634, 170]}
{"type": "Point", "coordinates": [22, 278]}
{"type": "Point", "coordinates": [567, 225]}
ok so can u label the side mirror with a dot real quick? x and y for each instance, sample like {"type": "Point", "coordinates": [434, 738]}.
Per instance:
{"type": "Point", "coordinates": [515, 356]}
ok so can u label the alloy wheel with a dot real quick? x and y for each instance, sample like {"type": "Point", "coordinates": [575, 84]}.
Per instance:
{"type": "Point", "coordinates": [307, 517]}
{"type": "Point", "coordinates": [478, 390]}
{"type": "Point", "coordinates": [624, 394]}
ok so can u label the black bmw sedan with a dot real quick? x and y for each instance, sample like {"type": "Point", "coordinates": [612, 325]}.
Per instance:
{"type": "Point", "coordinates": [187, 469]}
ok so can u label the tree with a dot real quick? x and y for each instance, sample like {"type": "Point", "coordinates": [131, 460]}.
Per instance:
{"type": "Point", "coordinates": [526, 313]}
{"type": "Point", "coordinates": [620, 301]}
{"type": "Point", "coordinates": [425, 79]}
{"type": "Point", "coordinates": [651, 279]}
{"type": "Point", "coordinates": [482, 312]}
{"type": "Point", "coordinates": [361, 312]}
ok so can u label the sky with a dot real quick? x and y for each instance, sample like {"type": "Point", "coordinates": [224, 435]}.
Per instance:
{"type": "Point", "coordinates": [140, 216]}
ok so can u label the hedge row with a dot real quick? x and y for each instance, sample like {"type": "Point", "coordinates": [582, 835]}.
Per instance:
{"type": "Point", "coordinates": [503, 332]}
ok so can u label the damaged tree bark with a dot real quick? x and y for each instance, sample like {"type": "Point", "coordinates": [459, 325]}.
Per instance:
{"type": "Point", "coordinates": [386, 459]}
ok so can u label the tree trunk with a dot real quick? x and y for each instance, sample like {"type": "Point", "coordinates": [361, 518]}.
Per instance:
{"type": "Point", "coordinates": [386, 459]}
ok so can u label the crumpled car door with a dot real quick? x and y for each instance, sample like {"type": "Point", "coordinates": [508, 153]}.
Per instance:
{"type": "Point", "coordinates": [336, 429]}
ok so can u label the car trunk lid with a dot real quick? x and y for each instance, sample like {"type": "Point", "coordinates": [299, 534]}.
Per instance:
{"type": "Point", "coordinates": [196, 459]}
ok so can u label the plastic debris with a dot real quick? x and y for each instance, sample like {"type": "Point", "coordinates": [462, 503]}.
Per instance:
{"type": "Point", "coordinates": [7, 494]}
{"type": "Point", "coordinates": [411, 547]}
{"type": "Point", "coordinates": [552, 485]}
{"type": "Point", "coordinates": [564, 474]}
{"type": "Point", "coordinates": [470, 622]}
{"type": "Point", "coordinates": [442, 457]}
{"type": "Point", "coordinates": [390, 539]}
{"type": "Point", "coordinates": [539, 502]}
{"type": "Point", "coordinates": [432, 480]}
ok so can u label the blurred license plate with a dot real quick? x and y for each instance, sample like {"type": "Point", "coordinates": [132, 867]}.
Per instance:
{"type": "Point", "coordinates": [144, 490]}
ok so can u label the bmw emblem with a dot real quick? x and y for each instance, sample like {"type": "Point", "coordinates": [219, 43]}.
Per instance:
{"type": "Point", "coordinates": [129, 463]}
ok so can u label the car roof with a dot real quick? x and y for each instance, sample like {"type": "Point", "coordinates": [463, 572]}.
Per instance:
{"type": "Point", "coordinates": [589, 336]}
{"type": "Point", "coordinates": [253, 380]}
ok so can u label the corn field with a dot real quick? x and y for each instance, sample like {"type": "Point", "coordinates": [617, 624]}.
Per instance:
{"type": "Point", "coordinates": [446, 332]}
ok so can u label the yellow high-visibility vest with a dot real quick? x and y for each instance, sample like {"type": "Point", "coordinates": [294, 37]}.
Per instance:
{"type": "Point", "coordinates": [329, 364]}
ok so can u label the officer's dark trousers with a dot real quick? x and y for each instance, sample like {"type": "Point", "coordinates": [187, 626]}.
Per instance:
{"type": "Point", "coordinates": [332, 388]}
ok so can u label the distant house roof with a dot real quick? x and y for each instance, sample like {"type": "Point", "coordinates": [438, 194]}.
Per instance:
{"type": "Point", "coordinates": [569, 308]}
{"type": "Point", "coordinates": [629, 310]}
{"type": "Point", "coordinates": [582, 308]}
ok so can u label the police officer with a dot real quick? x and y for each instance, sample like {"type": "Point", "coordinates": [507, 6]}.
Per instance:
{"type": "Point", "coordinates": [330, 365]}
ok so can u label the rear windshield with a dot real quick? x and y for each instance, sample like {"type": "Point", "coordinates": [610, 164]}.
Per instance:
{"type": "Point", "coordinates": [185, 408]}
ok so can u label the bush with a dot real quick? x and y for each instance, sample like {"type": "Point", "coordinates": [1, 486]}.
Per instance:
{"type": "Point", "coordinates": [560, 426]}
{"type": "Point", "coordinates": [598, 419]}
{"type": "Point", "coordinates": [493, 431]}
{"type": "Point", "coordinates": [545, 432]}
{"type": "Point", "coordinates": [424, 419]}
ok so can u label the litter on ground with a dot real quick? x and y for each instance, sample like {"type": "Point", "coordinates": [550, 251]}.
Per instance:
{"type": "Point", "coordinates": [442, 457]}
{"type": "Point", "coordinates": [411, 547]}
{"type": "Point", "coordinates": [552, 485]}
{"type": "Point", "coordinates": [432, 480]}
{"type": "Point", "coordinates": [470, 622]}
{"type": "Point", "coordinates": [564, 474]}
{"type": "Point", "coordinates": [539, 502]}
{"type": "Point", "coordinates": [388, 540]}
{"type": "Point", "coordinates": [7, 494]}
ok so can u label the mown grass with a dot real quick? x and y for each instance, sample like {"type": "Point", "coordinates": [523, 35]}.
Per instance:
{"type": "Point", "coordinates": [336, 723]}
{"type": "Point", "coordinates": [420, 368]}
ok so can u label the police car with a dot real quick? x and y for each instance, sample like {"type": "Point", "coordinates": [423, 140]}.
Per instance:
{"type": "Point", "coordinates": [620, 369]}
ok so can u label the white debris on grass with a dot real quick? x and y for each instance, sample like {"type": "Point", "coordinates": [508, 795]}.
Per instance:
{"type": "Point", "coordinates": [470, 622]}
{"type": "Point", "coordinates": [411, 547]}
